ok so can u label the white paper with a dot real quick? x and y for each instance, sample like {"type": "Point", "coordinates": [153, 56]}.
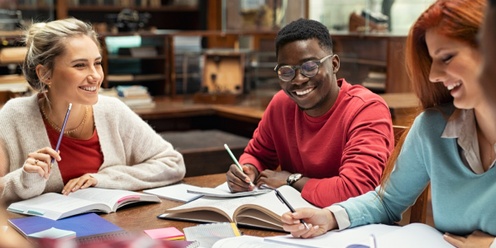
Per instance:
{"type": "Point", "coordinates": [53, 233]}
{"type": "Point", "coordinates": [222, 191]}
{"type": "Point", "coordinates": [176, 192]}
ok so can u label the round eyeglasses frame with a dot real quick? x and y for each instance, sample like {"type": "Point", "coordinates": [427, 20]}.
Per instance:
{"type": "Point", "coordinates": [301, 67]}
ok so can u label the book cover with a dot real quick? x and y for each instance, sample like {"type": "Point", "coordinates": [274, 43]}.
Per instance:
{"type": "Point", "coordinates": [84, 225]}
{"type": "Point", "coordinates": [57, 206]}
{"type": "Point", "coordinates": [262, 211]}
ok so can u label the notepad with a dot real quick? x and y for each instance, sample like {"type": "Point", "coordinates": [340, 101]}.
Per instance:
{"type": "Point", "coordinates": [53, 233]}
{"type": "Point", "coordinates": [208, 234]}
{"type": "Point", "coordinates": [84, 226]}
{"type": "Point", "coordinates": [170, 233]}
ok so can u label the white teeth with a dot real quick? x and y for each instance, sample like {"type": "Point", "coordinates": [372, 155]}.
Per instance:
{"type": "Point", "coordinates": [93, 88]}
{"type": "Point", "coordinates": [452, 86]}
{"type": "Point", "coordinates": [301, 93]}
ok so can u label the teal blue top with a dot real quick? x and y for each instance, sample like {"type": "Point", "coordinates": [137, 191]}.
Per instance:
{"type": "Point", "coordinates": [462, 201]}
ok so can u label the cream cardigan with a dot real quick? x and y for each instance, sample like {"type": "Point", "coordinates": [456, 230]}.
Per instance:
{"type": "Point", "coordinates": [135, 157]}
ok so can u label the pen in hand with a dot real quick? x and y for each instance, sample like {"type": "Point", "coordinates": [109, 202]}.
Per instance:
{"type": "Point", "coordinates": [285, 202]}
{"type": "Point", "coordinates": [62, 130]}
{"type": "Point", "coordinates": [236, 162]}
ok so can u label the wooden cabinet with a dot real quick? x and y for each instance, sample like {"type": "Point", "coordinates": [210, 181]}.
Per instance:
{"type": "Point", "coordinates": [373, 58]}
{"type": "Point", "coordinates": [256, 42]}
{"type": "Point", "coordinates": [12, 54]}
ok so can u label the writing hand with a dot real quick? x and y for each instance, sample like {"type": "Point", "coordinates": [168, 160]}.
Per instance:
{"type": "Point", "coordinates": [475, 239]}
{"type": "Point", "coordinates": [240, 181]}
{"type": "Point", "coordinates": [40, 161]}
{"type": "Point", "coordinates": [82, 182]}
{"type": "Point", "coordinates": [319, 221]}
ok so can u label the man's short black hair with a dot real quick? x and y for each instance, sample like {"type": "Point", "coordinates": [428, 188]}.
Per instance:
{"type": "Point", "coordinates": [304, 29]}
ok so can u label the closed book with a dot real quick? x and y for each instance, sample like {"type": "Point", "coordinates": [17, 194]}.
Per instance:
{"type": "Point", "coordinates": [85, 226]}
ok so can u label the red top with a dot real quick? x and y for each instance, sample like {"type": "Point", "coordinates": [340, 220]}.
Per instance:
{"type": "Point", "coordinates": [78, 156]}
{"type": "Point", "coordinates": [343, 151]}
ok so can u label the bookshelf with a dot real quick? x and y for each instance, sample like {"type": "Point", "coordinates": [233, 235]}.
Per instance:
{"type": "Point", "coordinates": [164, 14]}
{"type": "Point", "coordinates": [143, 61]}
{"type": "Point", "coordinates": [372, 59]}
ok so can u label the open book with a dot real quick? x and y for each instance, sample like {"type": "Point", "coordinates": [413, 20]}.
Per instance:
{"type": "Point", "coordinates": [224, 191]}
{"type": "Point", "coordinates": [263, 211]}
{"type": "Point", "coordinates": [56, 206]}
{"type": "Point", "coordinates": [386, 236]}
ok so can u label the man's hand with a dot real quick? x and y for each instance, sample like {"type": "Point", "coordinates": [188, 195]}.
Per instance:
{"type": "Point", "coordinates": [273, 179]}
{"type": "Point", "coordinates": [239, 181]}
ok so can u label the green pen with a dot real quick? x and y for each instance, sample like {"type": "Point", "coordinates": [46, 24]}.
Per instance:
{"type": "Point", "coordinates": [236, 162]}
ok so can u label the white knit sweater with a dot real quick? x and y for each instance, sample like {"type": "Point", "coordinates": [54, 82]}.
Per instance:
{"type": "Point", "coordinates": [135, 157]}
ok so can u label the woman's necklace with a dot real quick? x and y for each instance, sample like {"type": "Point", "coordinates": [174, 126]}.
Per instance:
{"type": "Point", "coordinates": [56, 127]}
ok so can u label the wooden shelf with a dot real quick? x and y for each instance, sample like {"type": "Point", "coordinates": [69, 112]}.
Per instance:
{"type": "Point", "coordinates": [106, 8]}
{"type": "Point", "coordinates": [365, 54]}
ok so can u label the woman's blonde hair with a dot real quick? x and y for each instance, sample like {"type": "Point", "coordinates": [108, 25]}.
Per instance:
{"type": "Point", "coordinates": [45, 42]}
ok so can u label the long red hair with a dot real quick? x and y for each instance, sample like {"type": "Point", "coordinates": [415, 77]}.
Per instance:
{"type": "Point", "coordinates": [456, 19]}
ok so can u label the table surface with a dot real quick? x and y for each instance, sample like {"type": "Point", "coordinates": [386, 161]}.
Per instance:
{"type": "Point", "coordinates": [136, 218]}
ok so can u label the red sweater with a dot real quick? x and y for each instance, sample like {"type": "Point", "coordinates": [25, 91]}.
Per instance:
{"type": "Point", "coordinates": [343, 152]}
{"type": "Point", "coordinates": [79, 157]}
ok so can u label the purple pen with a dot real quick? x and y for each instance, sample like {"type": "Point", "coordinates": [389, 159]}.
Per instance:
{"type": "Point", "coordinates": [62, 129]}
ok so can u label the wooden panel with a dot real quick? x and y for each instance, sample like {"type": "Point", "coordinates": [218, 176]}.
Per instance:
{"type": "Point", "coordinates": [202, 158]}
{"type": "Point", "coordinates": [397, 79]}
{"type": "Point", "coordinates": [224, 72]}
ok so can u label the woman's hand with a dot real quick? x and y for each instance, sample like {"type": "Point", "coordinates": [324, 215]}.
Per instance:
{"type": "Point", "coordinates": [41, 161]}
{"type": "Point", "coordinates": [319, 221]}
{"type": "Point", "coordinates": [82, 182]}
{"type": "Point", "coordinates": [477, 239]}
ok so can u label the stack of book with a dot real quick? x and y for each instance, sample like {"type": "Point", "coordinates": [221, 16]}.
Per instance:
{"type": "Point", "coordinates": [375, 81]}
{"type": "Point", "coordinates": [135, 96]}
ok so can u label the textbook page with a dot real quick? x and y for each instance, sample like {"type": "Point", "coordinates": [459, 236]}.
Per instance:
{"type": "Point", "coordinates": [338, 239]}
{"type": "Point", "coordinates": [56, 206]}
{"type": "Point", "coordinates": [175, 192]}
{"type": "Point", "coordinates": [207, 209]}
{"type": "Point", "coordinates": [224, 191]}
{"type": "Point", "coordinates": [386, 236]}
{"type": "Point", "coordinates": [246, 241]}
{"type": "Point", "coordinates": [413, 235]}
{"type": "Point", "coordinates": [262, 211]}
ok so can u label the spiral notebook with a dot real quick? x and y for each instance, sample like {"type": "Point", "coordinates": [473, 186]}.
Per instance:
{"type": "Point", "coordinates": [87, 227]}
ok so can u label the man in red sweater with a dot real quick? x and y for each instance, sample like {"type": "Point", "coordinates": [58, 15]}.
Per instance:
{"type": "Point", "coordinates": [330, 139]}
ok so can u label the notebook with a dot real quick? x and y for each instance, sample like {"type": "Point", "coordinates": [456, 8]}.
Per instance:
{"type": "Point", "coordinates": [85, 226]}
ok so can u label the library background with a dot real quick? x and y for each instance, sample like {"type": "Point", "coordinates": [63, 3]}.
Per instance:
{"type": "Point", "coordinates": [187, 47]}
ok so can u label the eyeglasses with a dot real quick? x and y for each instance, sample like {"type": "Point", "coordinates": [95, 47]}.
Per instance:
{"type": "Point", "coordinates": [308, 69]}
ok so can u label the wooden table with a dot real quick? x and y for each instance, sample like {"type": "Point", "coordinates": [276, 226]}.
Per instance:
{"type": "Point", "coordinates": [136, 218]}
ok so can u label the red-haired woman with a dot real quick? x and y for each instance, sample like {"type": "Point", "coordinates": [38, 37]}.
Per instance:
{"type": "Point", "coordinates": [451, 143]}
